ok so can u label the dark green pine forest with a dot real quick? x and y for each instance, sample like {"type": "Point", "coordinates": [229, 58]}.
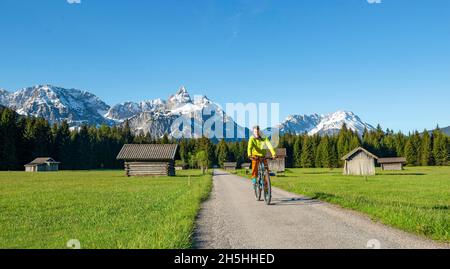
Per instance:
{"type": "Point", "coordinates": [89, 147]}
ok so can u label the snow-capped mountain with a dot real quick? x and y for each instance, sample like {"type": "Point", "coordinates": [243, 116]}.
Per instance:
{"type": "Point", "coordinates": [123, 111]}
{"type": "Point", "coordinates": [179, 116]}
{"type": "Point", "coordinates": [323, 124]}
{"type": "Point", "coordinates": [446, 130]}
{"type": "Point", "coordinates": [4, 96]}
{"type": "Point", "coordinates": [179, 99]}
{"type": "Point", "coordinates": [56, 104]}
{"type": "Point", "coordinates": [157, 117]}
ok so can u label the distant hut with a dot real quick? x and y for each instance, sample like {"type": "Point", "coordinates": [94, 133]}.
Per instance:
{"type": "Point", "coordinates": [148, 159]}
{"type": "Point", "coordinates": [229, 166]}
{"type": "Point", "coordinates": [179, 167]}
{"type": "Point", "coordinates": [392, 164]}
{"type": "Point", "coordinates": [359, 162]}
{"type": "Point", "coordinates": [246, 166]}
{"type": "Point", "coordinates": [42, 164]}
{"type": "Point", "coordinates": [279, 164]}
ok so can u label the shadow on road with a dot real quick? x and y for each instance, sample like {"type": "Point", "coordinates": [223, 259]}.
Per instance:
{"type": "Point", "coordinates": [294, 201]}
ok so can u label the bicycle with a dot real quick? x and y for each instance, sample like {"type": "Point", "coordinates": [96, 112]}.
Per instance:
{"type": "Point", "coordinates": [263, 181]}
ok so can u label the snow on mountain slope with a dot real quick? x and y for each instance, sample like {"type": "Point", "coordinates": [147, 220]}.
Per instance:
{"type": "Point", "coordinates": [298, 124]}
{"type": "Point", "coordinates": [179, 99]}
{"type": "Point", "coordinates": [154, 116]}
{"type": "Point", "coordinates": [126, 110]}
{"type": "Point", "coordinates": [158, 116]}
{"type": "Point", "coordinates": [57, 104]}
{"type": "Point", "coordinates": [4, 97]}
{"type": "Point", "coordinates": [323, 124]}
{"type": "Point", "coordinates": [161, 118]}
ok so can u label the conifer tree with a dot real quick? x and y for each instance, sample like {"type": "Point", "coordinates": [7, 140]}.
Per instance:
{"type": "Point", "coordinates": [307, 152]}
{"type": "Point", "coordinates": [426, 155]}
{"type": "Point", "coordinates": [297, 151]}
{"type": "Point", "coordinates": [223, 154]}
{"type": "Point", "coordinates": [440, 148]}
{"type": "Point", "coordinates": [8, 132]}
{"type": "Point", "coordinates": [412, 149]}
{"type": "Point", "coordinates": [343, 143]}
{"type": "Point", "coordinates": [61, 144]}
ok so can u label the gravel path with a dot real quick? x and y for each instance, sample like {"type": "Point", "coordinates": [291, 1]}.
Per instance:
{"type": "Point", "coordinates": [232, 218]}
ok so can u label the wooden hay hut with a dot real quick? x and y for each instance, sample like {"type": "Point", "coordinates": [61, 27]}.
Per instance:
{"type": "Point", "coordinates": [149, 159]}
{"type": "Point", "coordinates": [279, 164]}
{"type": "Point", "coordinates": [359, 162]}
{"type": "Point", "coordinates": [246, 166]}
{"type": "Point", "coordinates": [392, 164]}
{"type": "Point", "coordinates": [42, 164]}
{"type": "Point", "coordinates": [229, 166]}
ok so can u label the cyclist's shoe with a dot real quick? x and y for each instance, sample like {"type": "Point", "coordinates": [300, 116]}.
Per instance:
{"type": "Point", "coordinates": [254, 182]}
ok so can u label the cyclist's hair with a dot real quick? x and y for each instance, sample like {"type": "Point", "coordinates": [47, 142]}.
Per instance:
{"type": "Point", "coordinates": [259, 130]}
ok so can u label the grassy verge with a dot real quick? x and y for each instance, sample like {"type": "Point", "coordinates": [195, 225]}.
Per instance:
{"type": "Point", "coordinates": [101, 209]}
{"type": "Point", "coordinates": [415, 200]}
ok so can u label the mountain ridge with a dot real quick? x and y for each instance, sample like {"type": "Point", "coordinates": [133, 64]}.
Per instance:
{"type": "Point", "coordinates": [156, 116]}
{"type": "Point", "coordinates": [326, 124]}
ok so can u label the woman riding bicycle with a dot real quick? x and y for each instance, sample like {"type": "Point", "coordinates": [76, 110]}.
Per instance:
{"type": "Point", "coordinates": [257, 149]}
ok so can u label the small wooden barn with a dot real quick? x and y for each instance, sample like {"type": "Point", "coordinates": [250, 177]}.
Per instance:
{"type": "Point", "coordinates": [149, 159]}
{"type": "Point", "coordinates": [392, 164]}
{"type": "Point", "coordinates": [279, 164]}
{"type": "Point", "coordinates": [179, 167]}
{"type": "Point", "coordinates": [359, 162]}
{"type": "Point", "coordinates": [42, 164]}
{"type": "Point", "coordinates": [229, 166]}
{"type": "Point", "coordinates": [246, 166]}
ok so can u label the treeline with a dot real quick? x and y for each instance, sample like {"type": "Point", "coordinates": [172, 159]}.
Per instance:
{"type": "Point", "coordinates": [24, 138]}
{"type": "Point", "coordinates": [420, 149]}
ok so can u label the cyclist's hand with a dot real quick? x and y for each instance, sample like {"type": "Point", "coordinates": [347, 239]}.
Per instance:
{"type": "Point", "coordinates": [274, 157]}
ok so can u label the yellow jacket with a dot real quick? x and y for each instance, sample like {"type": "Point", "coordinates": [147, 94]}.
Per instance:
{"type": "Point", "coordinates": [258, 147]}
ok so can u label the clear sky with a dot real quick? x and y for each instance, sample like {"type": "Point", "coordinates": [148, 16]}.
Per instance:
{"type": "Point", "coordinates": [387, 62]}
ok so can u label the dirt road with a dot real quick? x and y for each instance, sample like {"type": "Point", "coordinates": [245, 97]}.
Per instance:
{"type": "Point", "coordinates": [232, 218]}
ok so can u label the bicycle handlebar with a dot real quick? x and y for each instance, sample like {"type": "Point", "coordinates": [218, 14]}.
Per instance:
{"type": "Point", "coordinates": [261, 158]}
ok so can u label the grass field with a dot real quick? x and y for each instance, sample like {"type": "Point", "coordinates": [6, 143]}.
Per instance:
{"type": "Point", "coordinates": [415, 200]}
{"type": "Point", "coordinates": [101, 209]}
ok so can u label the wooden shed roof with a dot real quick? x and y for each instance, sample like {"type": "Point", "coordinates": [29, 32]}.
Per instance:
{"type": "Point", "coordinates": [392, 160]}
{"type": "Point", "coordinates": [41, 160]}
{"type": "Point", "coordinates": [356, 150]}
{"type": "Point", "coordinates": [147, 152]}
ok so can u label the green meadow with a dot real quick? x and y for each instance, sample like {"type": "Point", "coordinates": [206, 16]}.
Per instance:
{"type": "Point", "coordinates": [416, 200]}
{"type": "Point", "coordinates": [101, 209]}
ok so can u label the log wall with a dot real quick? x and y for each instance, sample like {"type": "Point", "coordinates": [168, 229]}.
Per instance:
{"type": "Point", "coordinates": [150, 168]}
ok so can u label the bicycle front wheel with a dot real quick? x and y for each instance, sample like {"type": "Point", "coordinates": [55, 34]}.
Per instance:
{"type": "Point", "coordinates": [267, 188]}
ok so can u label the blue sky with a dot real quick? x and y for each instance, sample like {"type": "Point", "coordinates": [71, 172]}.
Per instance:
{"type": "Point", "coordinates": [388, 62]}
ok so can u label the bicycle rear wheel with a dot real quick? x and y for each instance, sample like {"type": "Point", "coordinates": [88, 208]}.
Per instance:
{"type": "Point", "coordinates": [267, 188]}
